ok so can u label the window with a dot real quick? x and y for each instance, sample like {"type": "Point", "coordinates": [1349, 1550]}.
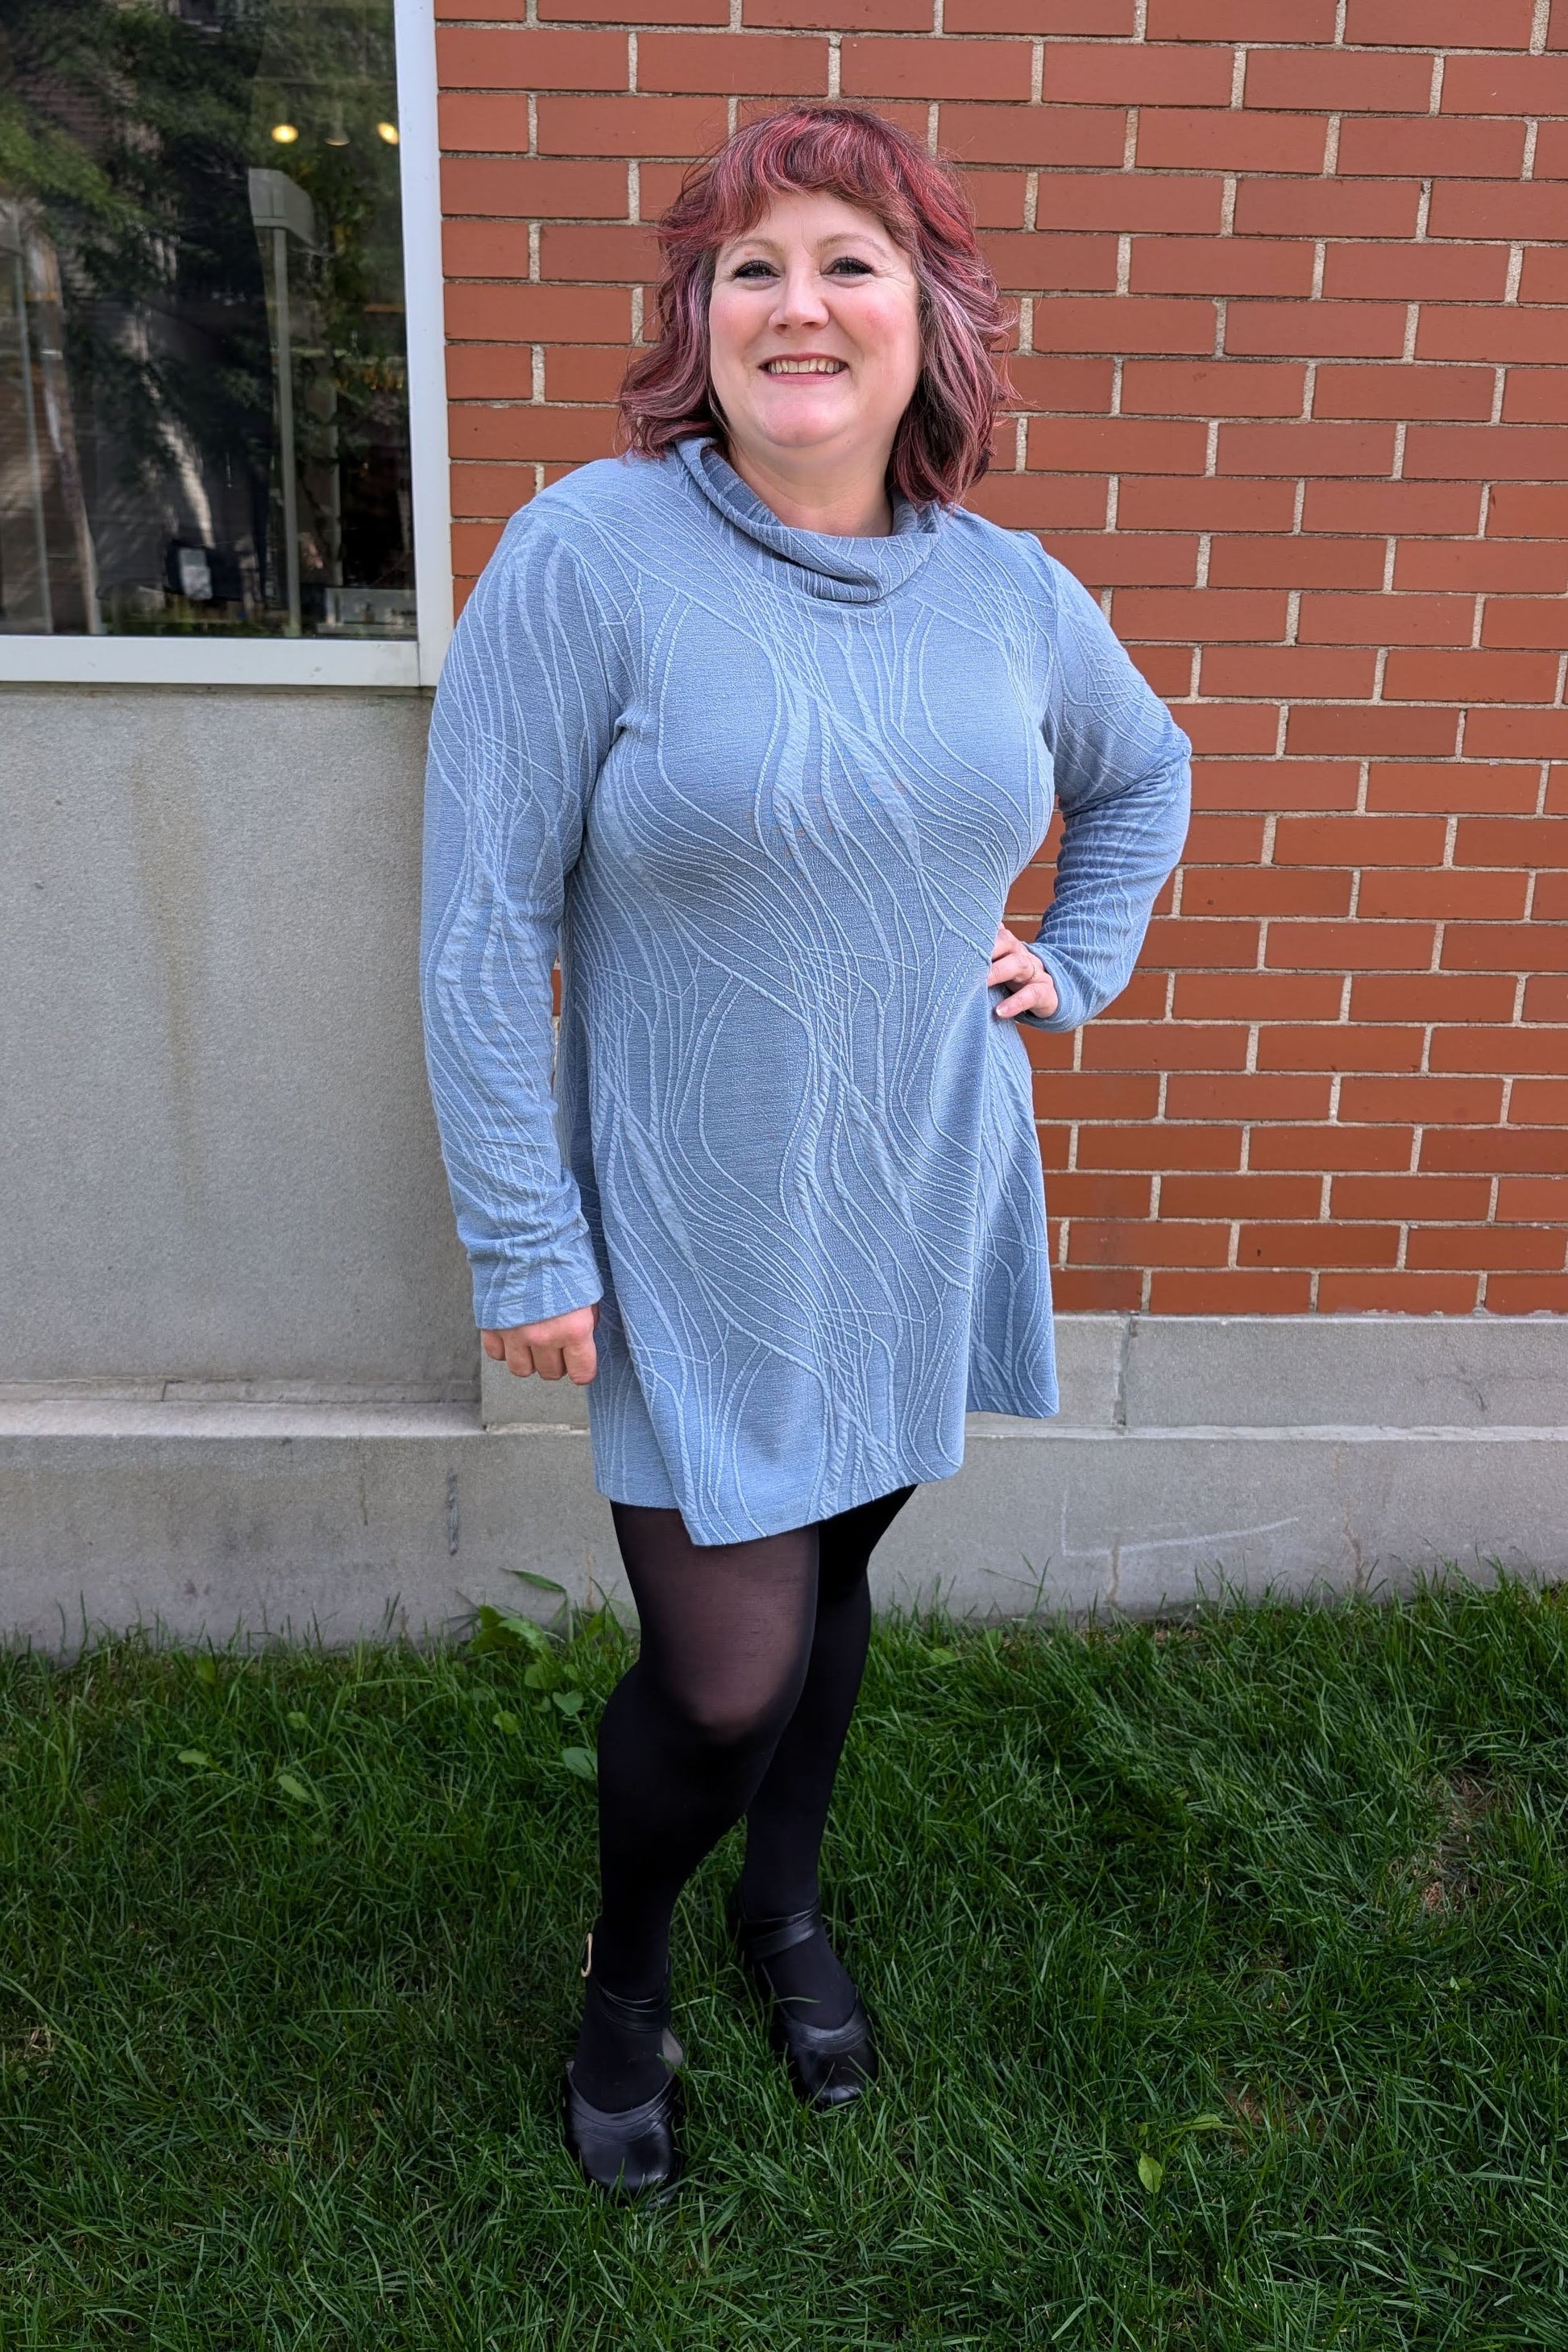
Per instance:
{"type": "Point", "coordinates": [216, 219]}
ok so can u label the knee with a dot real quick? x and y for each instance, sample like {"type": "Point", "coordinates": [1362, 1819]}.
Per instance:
{"type": "Point", "coordinates": [735, 1722]}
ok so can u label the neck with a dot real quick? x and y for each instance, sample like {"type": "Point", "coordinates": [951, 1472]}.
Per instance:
{"type": "Point", "coordinates": [847, 501]}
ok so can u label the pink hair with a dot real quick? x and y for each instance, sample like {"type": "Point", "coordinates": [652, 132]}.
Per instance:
{"type": "Point", "coordinates": [943, 441]}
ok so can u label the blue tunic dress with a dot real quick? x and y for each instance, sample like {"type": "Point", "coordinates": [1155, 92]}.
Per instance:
{"type": "Point", "coordinates": [766, 792]}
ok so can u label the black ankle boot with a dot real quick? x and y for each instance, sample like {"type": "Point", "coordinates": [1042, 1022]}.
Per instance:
{"type": "Point", "coordinates": [626, 2151]}
{"type": "Point", "coordinates": [828, 2065]}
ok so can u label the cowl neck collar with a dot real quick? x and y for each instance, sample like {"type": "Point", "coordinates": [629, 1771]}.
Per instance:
{"type": "Point", "coordinates": [853, 570]}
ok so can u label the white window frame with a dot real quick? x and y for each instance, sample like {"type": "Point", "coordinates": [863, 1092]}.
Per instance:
{"type": "Point", "coordinates": [315, 661]}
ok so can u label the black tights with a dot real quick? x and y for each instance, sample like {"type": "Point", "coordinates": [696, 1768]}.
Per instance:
{"type": "Point", "coordinates": [739, 1703]}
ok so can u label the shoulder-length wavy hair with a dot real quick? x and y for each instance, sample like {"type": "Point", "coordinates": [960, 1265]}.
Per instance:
{"type": "Point", "coordinates": [943, 441]}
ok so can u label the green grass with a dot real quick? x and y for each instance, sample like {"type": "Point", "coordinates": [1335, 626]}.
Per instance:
{"type": "Point", "coordinates": [1219, 1973]}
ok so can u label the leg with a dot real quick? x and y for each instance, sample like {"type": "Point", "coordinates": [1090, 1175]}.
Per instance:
{"type": "Point", "coordinates": [685, 1737]}
{"type": "Point", "coordinates": [787, 1816]}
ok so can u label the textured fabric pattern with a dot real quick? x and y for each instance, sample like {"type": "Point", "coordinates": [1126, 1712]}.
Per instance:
{"type": "Point", "coordinates": [765, 793]}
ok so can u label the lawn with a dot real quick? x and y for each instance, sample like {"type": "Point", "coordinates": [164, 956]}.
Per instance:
{"type": "Point", "coordinates": [1219, 1971]}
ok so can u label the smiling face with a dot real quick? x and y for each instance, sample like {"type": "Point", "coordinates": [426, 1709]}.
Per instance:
{"type": "Point", "coordinates": [814, 346]}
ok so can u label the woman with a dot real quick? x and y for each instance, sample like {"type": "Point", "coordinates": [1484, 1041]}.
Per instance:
{"type": "Point", "coordinates": [756, 727]}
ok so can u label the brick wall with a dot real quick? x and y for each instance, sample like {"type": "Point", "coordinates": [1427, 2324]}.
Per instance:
{"type": "Point", "coordinates": [1291, 277]}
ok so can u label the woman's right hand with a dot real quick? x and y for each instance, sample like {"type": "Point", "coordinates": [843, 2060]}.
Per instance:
{"type": "Point", "coordinates": [561, 1343]}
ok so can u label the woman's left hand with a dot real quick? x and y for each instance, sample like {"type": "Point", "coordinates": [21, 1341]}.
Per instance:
{"type": "Point", "coordinates": [1018, 970]}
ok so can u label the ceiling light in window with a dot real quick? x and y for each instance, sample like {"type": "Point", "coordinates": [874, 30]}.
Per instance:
{"type": "Point", "coordinates": [388, 131]}
{"type": "Point", "coordinates": [284, 133]}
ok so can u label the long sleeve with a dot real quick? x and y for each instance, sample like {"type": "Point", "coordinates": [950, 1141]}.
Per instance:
{"type": "Point", "coordinates": [522, 720]}
{"type": "Point", "coordinates": [1123, 772]}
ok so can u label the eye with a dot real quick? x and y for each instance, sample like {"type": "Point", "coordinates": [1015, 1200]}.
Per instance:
{"type": "Point", "coordinates": [853, 264]}
{"type": "Point", "coordinates": [753, 269]}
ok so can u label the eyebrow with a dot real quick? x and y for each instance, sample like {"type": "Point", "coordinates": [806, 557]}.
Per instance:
{"type": "Point", "coordinates": [840, 237]}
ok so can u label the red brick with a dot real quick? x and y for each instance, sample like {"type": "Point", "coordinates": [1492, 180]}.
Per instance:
{"type": "Point", "coordinates": [1336, 207]}
{"type": "Point", "coordinates": [522, 434]}
{"type": "Point", "coordinates": [519, 314]}
{"type": "Point", "coordinates": [1111, 20]}
{"type": "Point", "coordinates": [1532, 1294]}
{"type": "Point", "coordinates": [1110, 74]}
{"type": "Point", "coordinates": [1385, 620]}
{"type": "Point", "coordinates": [1539, 1102]}
{"type": "Point", "coordinates": [1289, 671]}
{"type": "Point", "coordinates": [1252, 1195]}
{"type": "Point", "coordinates": [865, 16]}
{"type": "Point", "coordinates": [1524, 621]}
{"type": "Point", "coordinates": [524, 188]}
{"type": "Point", "coordinates": [1062, 136]}
{"type": "Point", "coordinates": [1511, 1248]}
{"type": "Point", "coordinates": [1544, 277]}
{"type": "Point", "coordinates": [1097, 1094]}
{"type": "Point", "coordinates": [1117, 444]}
{"type": "Point", "coordinates": [737, 62]}
{"type": "Point", "coordinates": [1535, 396]}
{"type": "Point", "coordinates": [1223, 265]}
{"type": "Point", "coordinates": [1511, 86]}
{"type": "Point", "coordinates": [1317, 1244]}
{"type": "Point", "coordinates": [1124, 325]}
{"type": "Point", "coordinates": [1393, 507]}
{"type": "Point", "coordinates": [1219, 388]}
{"type": "Point", "coordinates": [1265, 891]}
{"type": "Point", "coordinates": [996, 198]}
{"type": "Point", "coordinates": [1167, 668]}
{"type": "Point", "coordinates": [1209, 505]}
{"type": "Point", "coordinates": [1180, 945]}
{"type": "Point", "coordinates": [1396, 1293]}
{"type": "Point", "coordinates": [1148, 1245]}
{"type": "Point", "coordinates": [1536, 514]}
{"type": "Point", "coordinates": [1204, 616]}
{"type": "Point", "coordinates": [1163, 1044]}
{"type": "Point", "coordinates": [627, 126]}
{"type": "Point", "coordinates": [524, 60]}
{"type": "Point", "coordinates": [1557, 30]}
{"type": "Point", "coordinates": [1246, 1095]}
{"type": "Point", "coordinates": [1504, 734]}
{"type": "Point", "coordinates": [1498, 207]}
{"type": "Point", "coordinates": [1527, 1053]}
{"type": "Point", "coordinates": [491, 489]}
{"type": "Point", "coordinates": [1550, 903]}
{"type": "Point", "coordinates": [1120, 558]}
{"type": "Point", "coordinates": [1162, 1146]}
{"type": "Point", "coordinates": [1206, 996]}
{"type": "Point", "coordinates": [1063, 385]}
{"type": "Point", "coordinates": [1431, 996]}
{"type": "Point", "coordinates": [484, 248]}
{"type": "Point", "coordinates": [1531, 1200]}
{"type": "Point", "coordinates": [1404, 392]}
{"type": "Point", "coordinates": [1349, 946]}
{"type": "Point", "coordinates": [1075, 1193]}
{"type": "Point", "coordinates": [1197, 139]}
{"type": "Point", "coordinates": [1098, 1290]}
{"type": "Point", "coordinates": [1218, 728]}
{"type": "Point", "coordinates": [1358, 841]}
{"type": "Point", "coordinates": [493, 370]}
{"type": "Point", "coordinates": [623, 253]}
{"type": "Point", "coordinates": [1348, 330]}
{"type": "Point", "coordinates": [1498, 335]}
{"type": "Point", "coordinates": [1240, 20]}
{"type": "Point", "coordinates": [1443, 896]}
{"type": "Point", "coordinates": [1291, 78]}
{"type": "Point", "coordinates": [1273, 783]}
{"type": "Point", "coordinates": [1330, 1148]}
{"type": "Point", "coordinates": [1230, 1290]}
{"type": "Point", "coordinates": [1500, 947]}
{"type": "Point", "coordinates": [1066, 265]}
{"type": "Point", "coordinates": [1373, 1198]}
{"type": "Point", "coordinates": [1126, 200]}
{"type": "Point", "coordinates": [905, 67]}
{"type": "Point", "coordinates": [583, 372]}
{"type": "Point", "coordinates": [1515, 844]}
{"type": "Point", "coordinates": [1492, 1150]}
{"type": "Point", "coordinates": [1339, 1045]}
{"type": "Point", "coordinates": [1551, 160]}
{"type": "Point", "coordinates": [1431, 147]}
{"type": "Point", "coordinates": [1440, 24]}
{"type": "Point", "coordinates": [1453, 786]}
{"type": "Point", "coordinates": [473, 545]}
{"type": "Point", "coordinates": [1472, 676]}
{"type": "Point", "coordinates": [1370, 730]}
{"type": "Point", "coordinates": [1297, 563]}
{"type": "Point", "coordinates": [1296, 449]}
{"type": "Point", "coordinates": [1040, 501]}
{"type": "Point", "coordinates": [1418, 273]}
{"type": "Point", "coordinates": [1534, 568]}
{"type": "Point", "coordinates": [611, 12]}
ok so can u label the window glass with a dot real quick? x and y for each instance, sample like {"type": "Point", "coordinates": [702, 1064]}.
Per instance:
{"type": "Point", "coordinates": [204, 407]}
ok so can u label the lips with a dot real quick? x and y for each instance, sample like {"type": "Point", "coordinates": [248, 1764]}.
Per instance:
{"type": "Point", "coordinates": [806, 364]}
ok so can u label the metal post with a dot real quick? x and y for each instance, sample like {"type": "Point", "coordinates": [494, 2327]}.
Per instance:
{"type": "Point", "coordinates": [286, 424]}
{"type": "Point", "coordinates": [29, 410]}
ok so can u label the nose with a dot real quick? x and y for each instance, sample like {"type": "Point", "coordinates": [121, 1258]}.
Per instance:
{"type": "Point", "coordinates": [799, 302]}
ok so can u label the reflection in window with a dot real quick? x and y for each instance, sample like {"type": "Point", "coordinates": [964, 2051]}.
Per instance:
{"type": "Point", "coordinates": [203, 409]}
